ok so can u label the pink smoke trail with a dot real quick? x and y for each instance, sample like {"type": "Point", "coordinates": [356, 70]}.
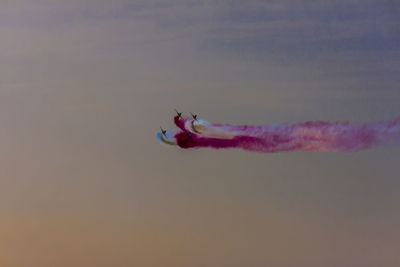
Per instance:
{"type": "Point", "coordinates": [308, 136]}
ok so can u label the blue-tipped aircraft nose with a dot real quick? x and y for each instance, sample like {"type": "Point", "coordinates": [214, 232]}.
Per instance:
{"type": "Point", "coordinates": [168, 138]}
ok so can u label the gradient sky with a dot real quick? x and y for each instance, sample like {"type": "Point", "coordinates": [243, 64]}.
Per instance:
{"type": "Point", "coordinates": [85, 85]}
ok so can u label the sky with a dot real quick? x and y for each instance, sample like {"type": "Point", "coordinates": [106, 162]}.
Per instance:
{"type": "Point", "coordinates": [85, 85]}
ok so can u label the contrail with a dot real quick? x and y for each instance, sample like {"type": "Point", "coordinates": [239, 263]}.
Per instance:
{"type": "Point", "coordinates": [307, 136]}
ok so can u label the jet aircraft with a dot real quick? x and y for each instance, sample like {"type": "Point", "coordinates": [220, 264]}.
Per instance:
{"type": "Point", "coordinates": [179, 114]}
{"type": "Point", "coordinates": [194, 116]}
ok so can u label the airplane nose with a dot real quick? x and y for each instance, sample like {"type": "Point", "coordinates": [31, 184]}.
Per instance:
{"type": "Point", "coordinates": [167, 139]}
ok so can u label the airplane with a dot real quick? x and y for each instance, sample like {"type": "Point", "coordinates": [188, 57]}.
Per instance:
{"type": "Point", "coordinates": [178, 113]}
{"type": "Point", "coordinates": [194, 116]}
{"type": "Point", "coordinates": [164, 132]}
